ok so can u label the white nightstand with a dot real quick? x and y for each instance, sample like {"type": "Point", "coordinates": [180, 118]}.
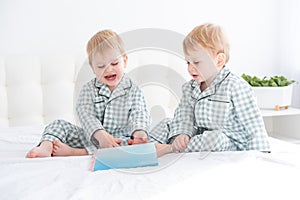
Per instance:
{"type": "Point", "coordinates": [283, 124]}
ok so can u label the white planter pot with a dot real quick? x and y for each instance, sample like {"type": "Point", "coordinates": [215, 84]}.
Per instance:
{"type": "Point", "coordinates": [274, 97]}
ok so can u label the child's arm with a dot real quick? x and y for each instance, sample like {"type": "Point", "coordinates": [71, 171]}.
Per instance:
{"type": "Point", "coordinates": [248, 114]}
{"type": "Point", "coordinates": [182, 126]}
{"type": "Point", "coordinates": [139, 117]}
{"type": "Point", "coordinates": [86, 112]}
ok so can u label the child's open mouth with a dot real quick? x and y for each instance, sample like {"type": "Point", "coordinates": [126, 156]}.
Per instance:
{"type": "Point", "coordinates": [111, 77]}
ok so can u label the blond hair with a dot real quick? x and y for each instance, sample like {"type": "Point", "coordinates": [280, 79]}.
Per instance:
{"type": "Point", "coordinates": [209, 36]}
{"type": "Point", "coordinates": [103, 40]}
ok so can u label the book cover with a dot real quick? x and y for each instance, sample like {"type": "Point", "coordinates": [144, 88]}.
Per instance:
{"type": "Point", "coordinates": [139, 155]}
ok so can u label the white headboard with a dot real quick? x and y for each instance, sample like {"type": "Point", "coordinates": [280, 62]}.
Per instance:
{"type": "Point", "coordinates": [35, 90]}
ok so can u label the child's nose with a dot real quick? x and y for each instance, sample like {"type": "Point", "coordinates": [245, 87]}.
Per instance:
{"type": "Point", "coordinates": [191, 67]}
{"type": "Point", "coordinates": [109, 67]}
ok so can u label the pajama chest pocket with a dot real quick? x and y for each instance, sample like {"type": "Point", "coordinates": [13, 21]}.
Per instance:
{"type": "Point", "coordinates": [218, 107]}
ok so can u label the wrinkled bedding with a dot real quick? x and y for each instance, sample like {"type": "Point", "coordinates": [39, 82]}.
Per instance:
{"type": "Point", "coordinates": [205, 175]}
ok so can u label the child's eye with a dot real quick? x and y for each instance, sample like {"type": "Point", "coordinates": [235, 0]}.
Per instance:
{"type": "Point", "coordinates": [115, 63]}
{"type": "Point", "coordinates": [196, 62]}
{"type": "Point", "coordinates": [100, 66]}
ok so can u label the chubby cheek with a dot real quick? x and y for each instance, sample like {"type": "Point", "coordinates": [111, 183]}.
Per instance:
{"type": "Point", "coordinates": [99, 76]}
{"type": "Point", "coordinates": [101, 79]}
{"type": "Point", "coordinates": [194, 73]}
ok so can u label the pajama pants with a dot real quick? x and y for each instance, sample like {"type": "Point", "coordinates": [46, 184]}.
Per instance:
{"type": "Point", "coordinates": [72, 135]}
{"type": "Point", "coordinates": [69, 134]}
{"type": "Point", "coordinates": [203, 141]}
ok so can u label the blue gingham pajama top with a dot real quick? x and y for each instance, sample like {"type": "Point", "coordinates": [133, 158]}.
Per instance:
{"type": "Point", "coordinates": [224, 117]}
{"type": "Point", "coordinates": [120, 113]}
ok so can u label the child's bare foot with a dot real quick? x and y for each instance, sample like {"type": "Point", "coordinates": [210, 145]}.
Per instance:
{"type": "Point", "coordinates": [162, 149]}
{"type": "Point", "coordinates": [44, 150]}
{"type": "Point", "coordinates": [62, 149]}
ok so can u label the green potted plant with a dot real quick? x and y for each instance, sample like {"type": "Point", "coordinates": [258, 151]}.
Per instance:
{"type": "Point", "coordinates": [274, 92]}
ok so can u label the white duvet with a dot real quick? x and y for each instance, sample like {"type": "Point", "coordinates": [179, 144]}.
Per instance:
{"type": "Point", "coordinates": [218, 175]}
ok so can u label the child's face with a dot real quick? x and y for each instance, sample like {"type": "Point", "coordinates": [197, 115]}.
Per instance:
{"type": "Point", "coordinates": [109, 67]}
{"type": "Point", "coordinates": [202, 66]}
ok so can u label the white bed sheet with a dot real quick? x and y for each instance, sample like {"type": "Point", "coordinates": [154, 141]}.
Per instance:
{"type": "Point", "coordinates": [218, 175]}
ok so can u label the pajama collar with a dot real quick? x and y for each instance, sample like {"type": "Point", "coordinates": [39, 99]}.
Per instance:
{"type": "Point", "coordinates": [197, 94]}
{"type": "Point", "coordinates": [120, 90]}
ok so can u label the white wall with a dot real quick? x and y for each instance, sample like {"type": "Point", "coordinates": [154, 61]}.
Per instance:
{"type": "Point", "coordinates": [255, 28]}
{"type": "Point", "coordinates": [289, 45]}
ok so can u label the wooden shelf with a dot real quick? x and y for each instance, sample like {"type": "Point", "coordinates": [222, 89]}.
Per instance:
{"type": "Point", "coordinates": [282, 112]}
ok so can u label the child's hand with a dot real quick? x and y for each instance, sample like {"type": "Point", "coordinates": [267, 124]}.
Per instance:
{"type": "Point", "coordinates": [180, 142]}
{"type": "Point", "coordinates": [139, 137]}
{"type": "Point", "coordinates": [106, 140]}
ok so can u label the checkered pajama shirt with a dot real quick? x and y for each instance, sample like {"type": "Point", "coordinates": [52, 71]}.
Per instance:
{"type": "Point", "coordinates": [224, 117]}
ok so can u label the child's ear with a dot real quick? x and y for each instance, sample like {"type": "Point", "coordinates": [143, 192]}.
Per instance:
{"type": "Point", "coordinates": [125, 58]}
{"type": "Point", "coordinates": [221, 58]}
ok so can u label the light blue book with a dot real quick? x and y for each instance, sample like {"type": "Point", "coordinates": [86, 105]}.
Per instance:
{"type": "Point", "coordinates": [138, 155]}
